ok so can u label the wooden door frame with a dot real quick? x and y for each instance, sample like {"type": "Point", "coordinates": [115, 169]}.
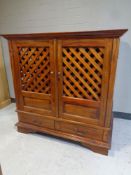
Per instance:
{"type": "Point", "coordinates": [13, 44]}
{"type": "Point", "coordinates": [107, 43]}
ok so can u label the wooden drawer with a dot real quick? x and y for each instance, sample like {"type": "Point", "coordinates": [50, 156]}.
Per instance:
{"type": "Point", "coordinates": [37, 120]}
{"type": "Point", "coordinates": [79, 130]}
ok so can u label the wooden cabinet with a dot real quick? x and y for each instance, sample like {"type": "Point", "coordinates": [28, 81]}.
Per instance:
{"type": "Point", "coordinates": [64, 84]}
{"type": "Point", "coordinates": [4, 90]}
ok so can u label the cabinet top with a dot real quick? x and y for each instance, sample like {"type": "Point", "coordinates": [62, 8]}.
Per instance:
{"type": "Point", "coordinates": [115, 33]}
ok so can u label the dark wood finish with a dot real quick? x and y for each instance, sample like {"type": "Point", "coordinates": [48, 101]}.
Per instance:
{"type": "Point", "coordinates": [64, 84]}
{"type": "Point", "coordinates": [112, 73]}
{"type": "Point", "coordinates": [26, 128]}
{"type": "Point", "coordinates": [79, 130]}
{"type": "Point", "coordinates": [84, 75]}
{"type": "Point", "coordinates": [116, 33]}
{"type": "Point", "coordinates": [97, 148]}
{"type": "Point", "coordinates": [34, 62]}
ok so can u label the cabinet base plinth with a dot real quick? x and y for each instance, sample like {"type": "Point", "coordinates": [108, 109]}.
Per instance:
{"type": "Point", "coordinates": [96, 149]}
{"type": "Point", "coordinates": [25, 130]}
{"type": "Point", "coordinates": [95, 146]}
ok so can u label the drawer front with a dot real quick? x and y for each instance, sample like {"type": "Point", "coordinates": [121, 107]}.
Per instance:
{"type": "Point", "coordinates": [79, 130]}
{"type": "Point", "coordinates": [40, 121]}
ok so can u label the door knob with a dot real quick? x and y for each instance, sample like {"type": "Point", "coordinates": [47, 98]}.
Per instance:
{"type": "Point", "coordinates": [51, 72]}
{"type": "Point", "coordinates": [59, 73]}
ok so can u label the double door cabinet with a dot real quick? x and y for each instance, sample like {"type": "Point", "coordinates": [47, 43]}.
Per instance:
{"type": "Point", "coordinates": [64, 84]}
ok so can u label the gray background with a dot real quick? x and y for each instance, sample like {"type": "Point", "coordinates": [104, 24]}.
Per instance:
{"type": "Point", "coordinates": [32, 16]}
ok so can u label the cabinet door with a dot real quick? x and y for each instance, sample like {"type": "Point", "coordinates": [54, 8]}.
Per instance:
{"type": "Point", "coordinates": [33, 64]}
{"type": "Point", "coordinates": [83, 70]}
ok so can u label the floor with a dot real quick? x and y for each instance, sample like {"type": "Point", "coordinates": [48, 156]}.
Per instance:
{"type": "Point", "coordinates": [34, 154]}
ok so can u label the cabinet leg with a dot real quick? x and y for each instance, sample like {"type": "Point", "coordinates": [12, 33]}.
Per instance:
{"type": "Point", "coordinates": [96, 148]}
{"type": "Point", "coordinates": [24, 130]}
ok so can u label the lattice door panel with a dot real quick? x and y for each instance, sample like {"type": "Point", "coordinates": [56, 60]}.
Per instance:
{"type": "Point", "coordinates": [82, 72]}
{"type": "Point", "coordinates": [34, 67]}
{"type": "Point", "coordinates": [34, 63]}
{"type": "Point", "coordinates": [83, 84]}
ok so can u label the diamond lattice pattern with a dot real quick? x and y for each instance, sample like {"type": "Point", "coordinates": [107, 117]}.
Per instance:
{"type": "Point", "coordinates": [34, 69]}
{"type": "Point", "coordinates": [82, 72]}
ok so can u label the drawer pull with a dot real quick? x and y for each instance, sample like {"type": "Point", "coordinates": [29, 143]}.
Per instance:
{"type": "Point", "coordinates": [37, 122]}
{"type": "Point", "coordinates": [51, 72]}
{"type": "Point", "coordinates": [59, 73]}
{"type": "Point", "coordinates": [81, 133]}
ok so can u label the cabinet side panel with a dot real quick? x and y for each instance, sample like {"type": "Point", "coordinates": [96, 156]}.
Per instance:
{"type": "Point", "coordinates": [113, 66]}
{"type": "Point", "coordinates": [105, 80]}
{"type": "Point", "coordinates": [16, 78]}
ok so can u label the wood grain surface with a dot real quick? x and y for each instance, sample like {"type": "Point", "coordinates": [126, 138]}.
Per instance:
{"type": "Point", "coordinates": [64, 84]}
